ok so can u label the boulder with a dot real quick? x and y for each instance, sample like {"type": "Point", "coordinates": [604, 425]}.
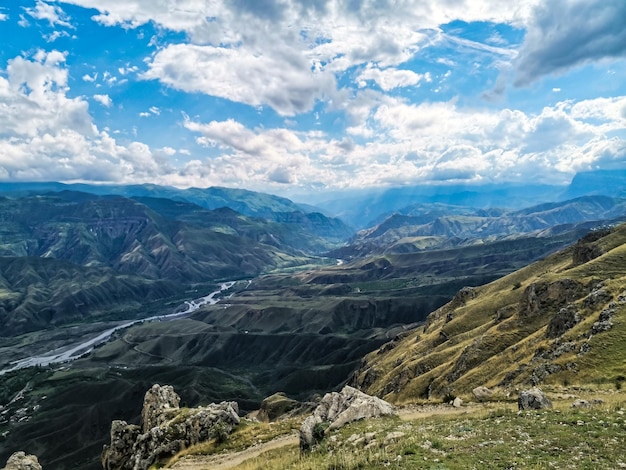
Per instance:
{"type": "Point", "coordinates": [586, 403]}
{"type": "Point", "coordinates": [275, 406]}
{"type": "Point", "coordinates": [457, 402]}
{"type": "Point", "coordinates": [482, 393]}
{"type": "Point", "coordinates": [166, 430]}
{"type": "Point", "coordinates": [339, 408]}
{"type": "Point", "coordinates": [533, 399]}
{"type": "Point", "coordinates": [21, 461]}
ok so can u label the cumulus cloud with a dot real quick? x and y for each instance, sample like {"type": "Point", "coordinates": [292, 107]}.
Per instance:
{"type": "Point", "coordinates": [104, 100]}
{"type": "Point", "coordinates": [292, 53]}
{"type": "Point", "coordinates": [51, 13]}
{"type": "Point", "coordinates": [390, 78]}
{"type": "Point", "coordinates": [46, 135]}
{"type": "Point", "coordinates": [566, 33]}
{"type": "Point", "coordinates": [284, 82]}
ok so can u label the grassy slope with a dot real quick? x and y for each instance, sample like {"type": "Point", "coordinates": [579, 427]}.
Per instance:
{"type": "Point", "coordinates": [491, 435]}
{"type": "Point", "coordinates": [496, 335]}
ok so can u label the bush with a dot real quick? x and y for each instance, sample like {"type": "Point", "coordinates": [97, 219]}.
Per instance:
{"type": "Point", "coordinates": [220, 432]}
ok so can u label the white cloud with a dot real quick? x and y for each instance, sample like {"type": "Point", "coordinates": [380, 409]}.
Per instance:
{"type": "Point", "coordinates": [104, 100]}
{"type": "Point", "coordinates": [56, 35]}
{"type": "Point", "coordinates": [389, 78]}
{"type": "Point", "coordinates": [52, 13]}
{"type": "Point", "coordinates": [287, 84]}
{"type": "Point", "coordinates": [90, 78]}
{"type": "Point", "coordinates": [46, 135]}
{"type": "Point", "coordinates": [4, 17]}
{"type": "Point", "coordinates": [289, 54]}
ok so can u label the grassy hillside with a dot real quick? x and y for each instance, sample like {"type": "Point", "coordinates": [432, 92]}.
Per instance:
{"type": "Point", "coordinates": [561, 320]}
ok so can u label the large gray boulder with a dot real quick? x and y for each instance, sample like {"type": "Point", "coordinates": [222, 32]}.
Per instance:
{"type": "Point", "coordinates": [533, 399]}
{"type": "Point", "coordinates": [338, 409]}
{"type": "Point", "coordinates": [21, 461]}
{"type": "Point", "coordinates": [166, 430]}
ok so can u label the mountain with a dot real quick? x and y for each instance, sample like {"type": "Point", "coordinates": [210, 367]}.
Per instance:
{"type": "Point", "coordinates": [557, 321]}
{"type": "Point", "coordinates": [301, 333]}
{"type": "Point", "coordinates": [44, 293]}
{"type": "Point", "coordinates": [426, 227]}
{"type": "Point", "coordinates": [131, 238]}
{"type": "Point", "coordinates": [363, 210]}
{"type": "Point", "coordinates": [597, 182]}
{"type": "Point", "coordinates": [77, 257]}
{"type": "Point", "coordinates": [246, 202]}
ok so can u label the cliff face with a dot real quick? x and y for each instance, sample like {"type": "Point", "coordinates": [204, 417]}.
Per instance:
{"type": "Point", "coordinates": [166, 430]}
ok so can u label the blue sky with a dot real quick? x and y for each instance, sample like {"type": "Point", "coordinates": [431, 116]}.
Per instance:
{"type": "Point", "coordinates": [295, 96]}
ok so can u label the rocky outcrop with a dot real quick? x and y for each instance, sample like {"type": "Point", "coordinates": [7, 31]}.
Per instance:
{"type": "Point", "coordinates": [533, 399]}
{"type": "Point", "coordinates": [542, 297]}
{"type": "Point", "coordinates": [482, 393]}
{"type": "Point", "coordinates": [565, 319]}
{"type": "Point", "coordinates": [166, 430]}
{"type": "Point", "coordinates": [338, 409]}
{"type": "Point", "coordinates": [276, 406]}
{"type": "Point", "coordinates": [22, 461]}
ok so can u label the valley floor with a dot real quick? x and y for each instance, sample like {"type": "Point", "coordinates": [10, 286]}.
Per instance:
{"type": "Point", "coordinates": [476, 435]}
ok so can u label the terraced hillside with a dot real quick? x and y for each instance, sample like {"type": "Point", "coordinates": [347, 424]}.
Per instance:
{"type": "Point", "coordinates": [561, 320]}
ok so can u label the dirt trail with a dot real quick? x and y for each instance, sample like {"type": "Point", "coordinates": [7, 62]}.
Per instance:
{"type": "Point", "coordinates": [231, 460]}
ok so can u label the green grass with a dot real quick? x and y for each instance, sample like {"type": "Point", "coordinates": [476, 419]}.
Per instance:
{"type": "Point", "coordinates": [560, 438]}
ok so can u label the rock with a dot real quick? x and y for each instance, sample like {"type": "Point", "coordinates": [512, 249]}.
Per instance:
{"type": "Point", "coordinates": [540, 297]}
{"type": "Point", "coordinates": [118, 455]}
{"type": "Point", "coordinates": [21, 461]}
{"type": "Point", "coordinates": [605, 321]}
{"type": "Point", "coordinates": [566, 318]}
{"type": "Point", "coordinates": [533, 399]}
{"type": "Point", "coordinates": [586, 403]}
{"type": "Point", "coordinates": [393, 437]}
{"type": "Point", "coordinates": [337, 409]}
{"type": "Point", "coordinates": [482, 393]}
{"type": "Point", "coordinates": [275, 406]}
{"type": "Point", "coordinates": [156, 402]}
{"type": "Point", "coordinates": [457, 402]}
{"type": "Point", "coordinates": [166, 430]}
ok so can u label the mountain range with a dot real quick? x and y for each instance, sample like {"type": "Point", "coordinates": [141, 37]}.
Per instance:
{"type": "Point", "coordinates": [447, 289]}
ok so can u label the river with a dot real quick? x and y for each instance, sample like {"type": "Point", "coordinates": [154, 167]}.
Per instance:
{"type": "Point", "coordinates": [72, 352]}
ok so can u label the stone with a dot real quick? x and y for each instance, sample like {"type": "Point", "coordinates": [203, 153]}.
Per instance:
{"type": "Point", "coordinates": [158, 400]}
{"type": "Point", "coordinates": [482, 393]}
{"type": "Point", "coordinates": [337, 409]}
{"type": "Point", "coordinates": [457, 402]}
{"type": "Point", "coordinates": [165, 431]}
{"type": "Point", "coordinates": [533, 399]}
{"type": "Point", "coordinates": [21, 461]}
{"type": "Point", "coordinates": [275, 406]}
{"type": "Point", "coordinates": [586, 403]}
{"type": "Point", "coordinates": [118, 455]}
{"type": "Point", "coordinates": [565, 319]}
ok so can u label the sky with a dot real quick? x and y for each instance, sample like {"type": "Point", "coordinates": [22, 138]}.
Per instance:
{"type": "Point", "coordinates": [308, 96]}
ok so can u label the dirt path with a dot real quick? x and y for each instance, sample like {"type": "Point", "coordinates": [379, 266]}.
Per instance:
{"type": "Point", "coordinates": [231, 460]}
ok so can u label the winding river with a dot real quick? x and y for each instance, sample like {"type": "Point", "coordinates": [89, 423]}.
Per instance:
{"type": "Point", "coordinates": [70, 353]}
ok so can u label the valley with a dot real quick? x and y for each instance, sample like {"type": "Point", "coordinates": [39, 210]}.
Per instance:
{"type": "Point", "coordinates": [109, 281]}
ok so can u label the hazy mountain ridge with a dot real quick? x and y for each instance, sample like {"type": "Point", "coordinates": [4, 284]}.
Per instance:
{"type": "Point", "coordinates": [467, 227]}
